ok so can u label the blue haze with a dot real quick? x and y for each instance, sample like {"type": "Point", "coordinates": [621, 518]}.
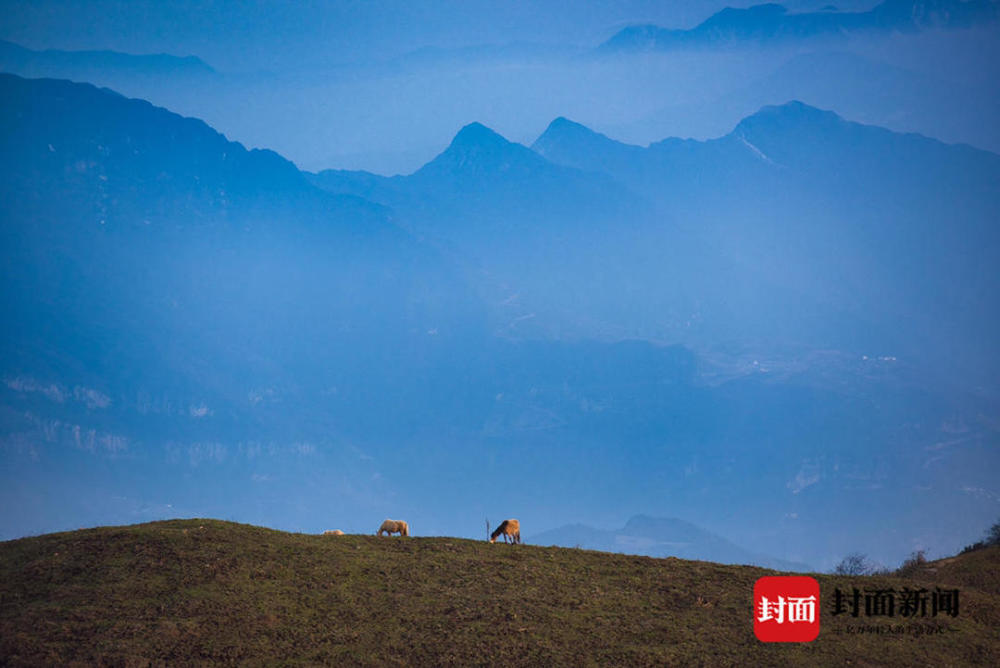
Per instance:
{"type": "Point", "coordinates": [780, 333]}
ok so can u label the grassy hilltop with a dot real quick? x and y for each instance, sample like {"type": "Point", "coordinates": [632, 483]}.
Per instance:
{"type": "Point", "coordinates": [195, 591]}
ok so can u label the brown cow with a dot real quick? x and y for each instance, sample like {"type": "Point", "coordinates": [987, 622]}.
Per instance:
{"type": "Point", "coordinates": [511, 528]}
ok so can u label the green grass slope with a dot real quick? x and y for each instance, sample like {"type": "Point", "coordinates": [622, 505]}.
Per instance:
{"type": "Point", "coordinates": [198, 591]}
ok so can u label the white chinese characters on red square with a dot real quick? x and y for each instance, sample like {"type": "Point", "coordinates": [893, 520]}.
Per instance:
{"type": "Point", "coordinates": [786, 609]}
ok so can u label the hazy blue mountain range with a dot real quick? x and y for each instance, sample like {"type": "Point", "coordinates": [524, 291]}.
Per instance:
{"type": "Point", "coordinates": [871, 227]}
{"type": "Point", "coordinates": [190, 327]}
{"type": "Point", "coordinates": [84, 65]}
{"type": "Point", "coordinates": [660, 537]}
{"type": "Point", "coordinates": [772, 22]}
{"type": "Point", "coordinates": [390, 110]}
{"type": "Point", "coordinates": [142, 249]}
{"type": "Point", "coordinates": [797, 226]}
{"type": "Point", "coordinates": [529, 232]}
{"type": "Point", "coordinates": [858, 87]}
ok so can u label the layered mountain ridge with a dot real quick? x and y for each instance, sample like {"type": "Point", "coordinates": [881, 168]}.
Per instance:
{"type": "Point", "coordinates": [174, 302]}
{"type": "Point", "coordinates": [772, 23]}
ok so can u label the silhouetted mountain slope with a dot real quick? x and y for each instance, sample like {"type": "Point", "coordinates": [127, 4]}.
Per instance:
{"type": "Point", "coordinates": [76, 141]}
{"type": "Point", "coordinates": [772, 22]}
{"type": "Point", "coordinates": [144, 251]}
{"type": "Point", "coordinates": [660, 537]}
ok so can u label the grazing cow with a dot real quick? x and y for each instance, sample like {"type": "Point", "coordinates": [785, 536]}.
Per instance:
{"type": "Point", "coordinates": [335, 532]}
{"type": "Point", "coordinates": [511, 528]}
{"type": "Point", "coordinates": [394, 526]}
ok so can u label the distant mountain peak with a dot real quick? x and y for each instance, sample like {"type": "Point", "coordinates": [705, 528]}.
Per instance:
{"type": "Point", "coordinates": [561, 130]}
{"type": "Point", "coordinates": [796, 108]}
{"type": "Point", "coordinates": [774, 130]}
{"type": "Point", "coordinates": [561, 122]}
{"type": "Point", "coordinates": [477, 135]}
{"type": "Point", "coordinates": [563, 126]}
{"type": "Point", "coordinates": [563, 133]}
{"type": "Point", "coordinates": [477, 148]}
{"type": "Point", "coordinates": [792, 112]}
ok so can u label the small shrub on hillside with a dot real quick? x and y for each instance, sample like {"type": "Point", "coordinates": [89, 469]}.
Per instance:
{"type": "Point", "coordinates": [972, 548]}
{"type": "Point", "coordinates": [855, 563]}
{"type": "Point", "coordinates": [993, 535]}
